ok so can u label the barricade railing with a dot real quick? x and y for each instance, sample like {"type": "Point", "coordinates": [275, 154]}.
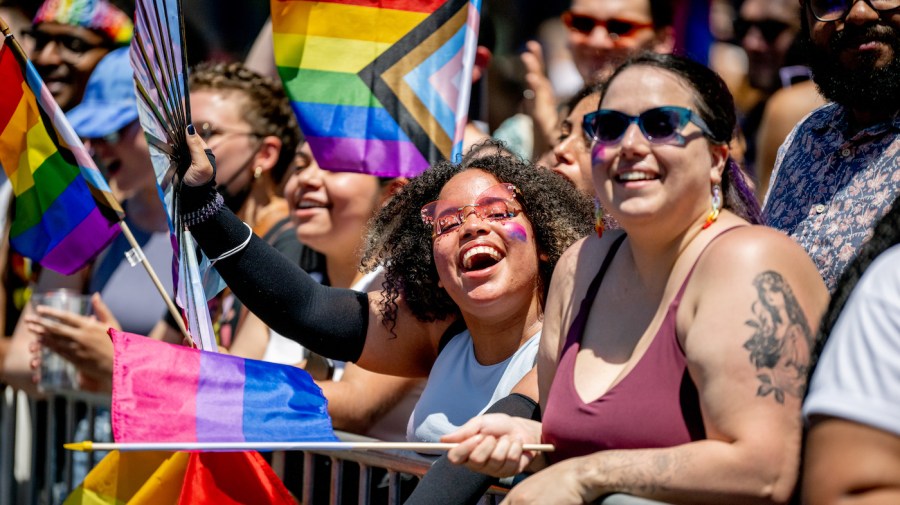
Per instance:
{"type": "Point", "coordinates": [35, 470]}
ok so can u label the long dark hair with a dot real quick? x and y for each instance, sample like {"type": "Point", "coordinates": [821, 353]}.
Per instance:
{"type": "Point", "coordinates": [715, 106]}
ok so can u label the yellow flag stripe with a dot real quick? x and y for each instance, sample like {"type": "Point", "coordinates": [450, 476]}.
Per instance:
{"type": "Point", "coordinates": [344, 21]}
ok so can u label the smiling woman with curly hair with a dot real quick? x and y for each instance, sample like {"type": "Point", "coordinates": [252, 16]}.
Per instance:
{"type": "Point", "coordinates": [398, 238]}
{"type": "Point", "coordinates": [468, 250]}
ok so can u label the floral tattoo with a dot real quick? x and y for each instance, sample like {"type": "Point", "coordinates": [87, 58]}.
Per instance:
{"type": "Point", "coordinates": [781, 341]}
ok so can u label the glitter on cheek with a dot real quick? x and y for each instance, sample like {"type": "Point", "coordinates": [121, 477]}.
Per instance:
{"type": "Point", "coordinates": [516, 231]}
{"type": "Point", "coordinates": [598, 154]}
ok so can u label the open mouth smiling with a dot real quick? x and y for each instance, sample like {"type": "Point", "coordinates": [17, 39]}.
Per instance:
{"type": "Point", "coordinates": [634, 176]}
{"type": "Point", "coordinates": [480, 257]}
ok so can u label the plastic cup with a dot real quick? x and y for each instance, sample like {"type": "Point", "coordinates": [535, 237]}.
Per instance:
{"type": "Point", "coordinates": [57, 373]}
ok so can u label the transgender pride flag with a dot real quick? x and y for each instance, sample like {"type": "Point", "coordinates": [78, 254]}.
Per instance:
{"type": "Point", "coordinates": [379, 86]}
{"type": "Point", "coordinates": [170, 393]}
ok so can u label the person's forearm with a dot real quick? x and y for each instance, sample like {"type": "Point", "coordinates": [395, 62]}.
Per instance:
{"type": "Point", "coordinates": [707, 471]}
{"type": "Point", "coordinates": [330, 321]}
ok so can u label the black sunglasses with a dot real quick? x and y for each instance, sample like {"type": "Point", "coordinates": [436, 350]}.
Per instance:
{"type": "Point", "coordinates": [661, 125]}
{"type": "Point", "coordinates": [71, 43]}
{"type": "Point", "coordinates": [769, 28]}
{"type": "Point", "coordinates": [832, 10]}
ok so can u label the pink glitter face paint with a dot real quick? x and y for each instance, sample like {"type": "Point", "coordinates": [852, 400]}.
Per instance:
{"type": "Point", "coordinates": [598, 154]}
{"type": "Point", "coordinates": [516, 231]}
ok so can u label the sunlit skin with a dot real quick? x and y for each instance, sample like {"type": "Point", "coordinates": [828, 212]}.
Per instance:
{"type": "Point", "coordinates": [512, 283]}
{"type": "Point", "coordinates": [235, 147]}
{"type": "Point", "coordinates": [126, 161]}
{"type": "Point", "coordinates": [573, 156]}
{"type": "Point", "coordinates": [330, 209]}
{"type": "Point", "coordinates": [673, 170]}
{"type": "Point", "coordinates": [65, 72]}
{"type": "Point", "coordinates": [765, 58]}
{"type": "Point", "coordinates": [596, 55]}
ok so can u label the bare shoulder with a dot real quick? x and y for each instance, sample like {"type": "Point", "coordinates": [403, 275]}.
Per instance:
{"type": "Point", "coordinates": [582, 259]}
{"type": "Point", "coordinates": [794, 101]}
{"type": "Point", "coordinates": [749, 247]}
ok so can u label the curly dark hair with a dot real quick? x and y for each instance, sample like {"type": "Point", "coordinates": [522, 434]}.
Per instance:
{"type": "Point", "coordinates": [399, 240]}
{"type": "Point", "coordinates": [267, 110]}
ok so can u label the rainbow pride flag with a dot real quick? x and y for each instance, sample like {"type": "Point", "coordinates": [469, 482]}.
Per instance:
{"type": "Point", "coordinates": [64, 211]}
{"type": "Point", "coordinates": [379, 86]}
{"type": "Point", "coordinates": [170, 393]}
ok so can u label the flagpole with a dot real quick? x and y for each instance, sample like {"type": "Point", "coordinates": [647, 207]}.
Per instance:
{"type": "Point", "coordinates": [142, 259]}
{"type": "Point", "coordinates": [14, 45]}
{"type": "Point", "coordinates": [88, 446]}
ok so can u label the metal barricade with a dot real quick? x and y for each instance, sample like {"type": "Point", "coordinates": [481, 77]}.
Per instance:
{"type": "Point", "coordinates": [34, 469]}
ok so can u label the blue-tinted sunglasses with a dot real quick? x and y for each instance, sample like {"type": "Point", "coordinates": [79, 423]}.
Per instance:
{"type": "Point", "coordinates": [661, 125]}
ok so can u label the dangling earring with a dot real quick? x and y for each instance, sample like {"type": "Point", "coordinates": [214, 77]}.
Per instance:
{"type": "Point", "coordinates": [257, 172]}
{"type": "Point", "coordinates": [598, 218]}
{"type": "Point", "coordinates": [716, 205]}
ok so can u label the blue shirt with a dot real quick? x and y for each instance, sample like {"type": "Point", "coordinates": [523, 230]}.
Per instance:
{"type": "Point", "coordinates": [829, 190]}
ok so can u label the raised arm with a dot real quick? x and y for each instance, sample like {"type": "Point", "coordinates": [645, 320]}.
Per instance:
{"type": "Point", "coordinates": [338, 323]}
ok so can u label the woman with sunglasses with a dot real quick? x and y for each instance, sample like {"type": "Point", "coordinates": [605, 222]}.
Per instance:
{"type": "Point", "coordinates": [466, 273]}
{"type": "Point", "coordinates": [670, 367]}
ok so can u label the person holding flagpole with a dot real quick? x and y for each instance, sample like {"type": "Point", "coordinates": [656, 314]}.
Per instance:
{"type": "Point", "coordinates": [465, 279]}
{"type": "Point", "coordinates": [107, 119]}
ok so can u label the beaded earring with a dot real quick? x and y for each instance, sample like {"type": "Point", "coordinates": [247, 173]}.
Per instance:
{"type": "Point", "coordinates": [598, 218]}
{"type": "Point", "coordinates": [716, 205]}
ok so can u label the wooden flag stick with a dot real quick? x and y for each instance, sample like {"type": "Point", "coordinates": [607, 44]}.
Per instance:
{"type": "Point", "coordinates": [142, 259]}
{"type": "Point", "coordinates": [88, 446]}
{"type": "Point", "coordinates": [14, 45]}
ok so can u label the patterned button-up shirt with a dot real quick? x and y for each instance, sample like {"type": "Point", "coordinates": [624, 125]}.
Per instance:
{"type": "Point", "coordinates": [828, 191]}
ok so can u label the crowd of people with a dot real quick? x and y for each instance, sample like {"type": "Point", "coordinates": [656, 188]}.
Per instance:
{"type": "Point", "coordinates": [648, 278]}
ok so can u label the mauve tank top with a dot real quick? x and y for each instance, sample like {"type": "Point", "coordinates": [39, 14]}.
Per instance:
{"type": "Point", "coordinates": [655, 405]}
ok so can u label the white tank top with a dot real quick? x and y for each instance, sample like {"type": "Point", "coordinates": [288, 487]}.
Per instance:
{"type": "Point", "coordinates": [459, 388]}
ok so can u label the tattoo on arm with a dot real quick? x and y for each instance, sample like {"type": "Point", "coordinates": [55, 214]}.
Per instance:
{"type": "Point", "coordinates": [781, 341]}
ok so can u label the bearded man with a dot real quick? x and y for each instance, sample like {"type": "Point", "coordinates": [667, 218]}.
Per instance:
{"type": "Point", "coordinates": [838, 172]}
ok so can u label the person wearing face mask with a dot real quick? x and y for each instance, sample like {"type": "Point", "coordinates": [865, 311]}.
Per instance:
{"type": "Point", "coordinates": [249, 125]}
{"type": "Point", "coordinates": [329, 214]}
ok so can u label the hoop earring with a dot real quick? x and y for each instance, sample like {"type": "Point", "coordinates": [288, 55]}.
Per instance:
{"type": "Point", "coordinates": [257, 172]}
{"type": "Point", "coordinates": [716, 205]}
{"type": "Point", "coordinates": [598, 218]}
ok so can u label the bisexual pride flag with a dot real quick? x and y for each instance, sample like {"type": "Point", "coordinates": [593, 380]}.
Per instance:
{"type": "Point", "coordinates": [64, 213]}
{"type": "Point", "coordinates": [379, 86]}
{"type": "Point", "coordinates": [170, 393]}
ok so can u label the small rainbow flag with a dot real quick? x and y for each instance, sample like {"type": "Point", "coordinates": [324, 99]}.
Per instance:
{"type": "Point", "coordinates": [64, 211]}
{"type": "Point", "coordinates": [379, 86]}
{"type": "Point", "coordinates": [170, 393]}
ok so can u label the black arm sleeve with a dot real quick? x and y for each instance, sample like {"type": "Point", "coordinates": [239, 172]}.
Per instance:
{"type": "Point", "coordinates": [448, 483]}
{"type": "Point", "coordinates": [329, 321]}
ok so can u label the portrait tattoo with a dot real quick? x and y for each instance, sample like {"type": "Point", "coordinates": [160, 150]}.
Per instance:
{"type": "Point", "coordinates": [781, 342]}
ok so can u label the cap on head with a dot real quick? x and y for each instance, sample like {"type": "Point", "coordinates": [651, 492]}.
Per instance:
{"type": "Point", "coordinates": [109, 102]}
{"type": "Point", "coordinates": [98, 15]}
